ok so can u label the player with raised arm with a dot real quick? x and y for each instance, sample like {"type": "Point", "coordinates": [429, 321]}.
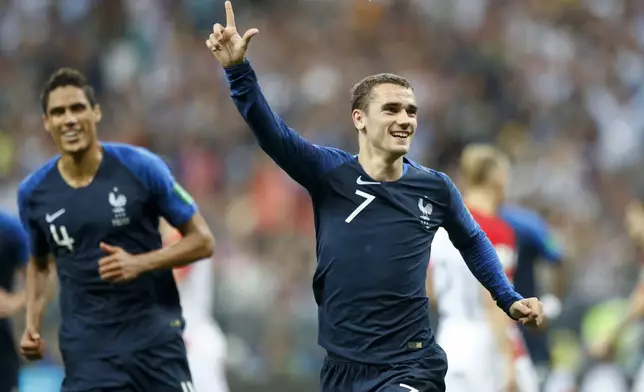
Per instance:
{"type": "Point", "coordinates": [472, 330]}
{"type": "Point", "coordinates": [375, 216]}
{"type": "Point", "coordinates": [14, 254]}
{"type": "Point", "coordinates": [95, 209]}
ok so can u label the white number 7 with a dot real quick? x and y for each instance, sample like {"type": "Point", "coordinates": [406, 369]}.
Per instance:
{"type": "Point", "coordinates": [411, 389]}
{"type": "Point", "coordinates": [368, 199]}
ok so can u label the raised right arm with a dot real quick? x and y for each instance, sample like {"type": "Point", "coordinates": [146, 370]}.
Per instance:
{"type": "Point", "coordinates": [306, 163]}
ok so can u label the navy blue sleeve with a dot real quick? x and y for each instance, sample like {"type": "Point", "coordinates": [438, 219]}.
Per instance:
{"type": "Point", "coordinates": [306, 163]}
{"type": "Point", "coordinates": [36, 239]}
{"type": "Point", "coordinates": [477, 250]}
{"type": "Point", "coordinates": [172, 201]}
{"type": "Point", "coordinates": [16, 239]}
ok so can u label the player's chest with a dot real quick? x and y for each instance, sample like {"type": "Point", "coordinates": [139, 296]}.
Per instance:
{"type": "Point", "coordinates": [101, 209]}
{"type": "Point", "coordinates": [404, 207]}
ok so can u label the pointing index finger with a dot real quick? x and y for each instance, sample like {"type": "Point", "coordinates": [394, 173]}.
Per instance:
{"type": "Point", "coordinates": [230, 15]}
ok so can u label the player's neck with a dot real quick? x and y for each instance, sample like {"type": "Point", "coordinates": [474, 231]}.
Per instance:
{"type": "Point", "coordinates": [78, 170]}
{"type": "Point", "coordinates": [482, 200]}
{"type": "Point", "coordinates": [380, 168]}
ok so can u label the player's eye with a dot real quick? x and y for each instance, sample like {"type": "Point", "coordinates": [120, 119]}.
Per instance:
{"type": "Point", "coordinates": [56, 112]}
{"type": "Point", "coordinates": [391, 108]}
{"type": "Point", "coordinates": [79, 107]}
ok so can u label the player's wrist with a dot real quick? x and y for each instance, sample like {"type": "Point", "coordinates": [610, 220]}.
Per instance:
{"type": "Point", "coordinates": [235, 63]}
{"type": "Point", "coordinates": [144, 262]}
{"type": "Point", "coordinates": [236, 69]}
{"type": "Point", "coordinates": [33, 325]}
{"type": "Point", "coordinates": [507, 302]}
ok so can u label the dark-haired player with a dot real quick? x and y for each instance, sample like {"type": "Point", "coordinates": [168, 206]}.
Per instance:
{"type": "Point", "coordinates": [95, 208]}
{"type": "Point", "coordinates": [375, 216]}
{"type": "Point", "coordinates": [13, 257]}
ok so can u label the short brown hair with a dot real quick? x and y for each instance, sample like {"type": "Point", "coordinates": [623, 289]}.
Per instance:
{"type": "Point", "coordinates": [478, 161]}
{"type": "Point", "coordinates": [361, 91]}
{"type": "Point", "coordinates": [66, 77]}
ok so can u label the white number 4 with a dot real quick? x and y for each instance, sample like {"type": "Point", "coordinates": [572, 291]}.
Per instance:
{"type": "Point", "coordinates": [368, 199]}
{"type": "Point", "coordinates": [411, 389]}
{"type": "Point", "coordinates": [187, 386]}
{"type": "Point", "coordinates": [63, 239]}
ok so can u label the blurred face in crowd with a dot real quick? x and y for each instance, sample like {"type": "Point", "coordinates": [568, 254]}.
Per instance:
{"type": "Point", "coordinates": [71, 120]}
{"type": "Point", "coordinates": [389, 120]}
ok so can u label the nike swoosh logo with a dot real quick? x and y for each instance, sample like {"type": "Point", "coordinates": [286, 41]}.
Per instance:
{"type": "Point", "coordinates": [54, 216]}
{"type": "Point", "coordinates": [359, 181]}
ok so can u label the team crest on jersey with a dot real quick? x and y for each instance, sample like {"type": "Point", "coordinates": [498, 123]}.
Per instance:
{"type": "Point", "coordinates": [118, 201]}
{"type": "Point", "coordinates": [425, 211]}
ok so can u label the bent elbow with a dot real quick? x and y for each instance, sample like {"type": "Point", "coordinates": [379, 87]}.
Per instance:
{"type": "Point", "coordinates": [206, 245]}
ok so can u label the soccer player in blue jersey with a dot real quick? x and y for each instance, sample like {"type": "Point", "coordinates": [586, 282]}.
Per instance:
{"type": "Point", "coordinates": [375, 216]}
{"type": "Point", "coordinates": [95, 210]}
{"type": "Point", "coordinates": [14, 253]}
{"type": "Point", "coordinates": [536, 244]}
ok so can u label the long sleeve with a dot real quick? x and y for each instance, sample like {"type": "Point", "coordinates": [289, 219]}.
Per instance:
{"type": "Point", "coordinates": [306, 163]}
{"type": "Point", "coordinates": [477, 250]}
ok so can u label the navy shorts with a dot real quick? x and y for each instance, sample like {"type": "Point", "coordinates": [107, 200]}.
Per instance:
{"type": "Point", "coordinates": [9, 369]}
{"type": "Point", "coordinates": [426, 374]}
{"type": "Point", "coordinates": [162, 368]}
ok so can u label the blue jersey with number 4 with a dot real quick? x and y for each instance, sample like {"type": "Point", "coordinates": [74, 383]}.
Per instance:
{"type": "Point", "coordinates": [373, 239]}
{"type": "Point", "coordinates": [121, 207]}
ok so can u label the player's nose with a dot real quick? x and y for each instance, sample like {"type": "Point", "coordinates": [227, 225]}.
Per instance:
{"type": "Point", "coordinates": [70, 118]}
{"type": "Point", "coordinates": [404, 122]}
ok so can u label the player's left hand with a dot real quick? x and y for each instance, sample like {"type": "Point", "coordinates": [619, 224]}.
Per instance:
{"type": "Point", "coordinates": [118, 266]}
{"type": "Point", "coordinates": [528, 311]}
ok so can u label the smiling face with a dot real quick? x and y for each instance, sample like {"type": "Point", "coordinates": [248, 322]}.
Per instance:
{"type": "Point", "coordinates": [71, 119]}
{"type": "Point", "coordinates": [384, 113]}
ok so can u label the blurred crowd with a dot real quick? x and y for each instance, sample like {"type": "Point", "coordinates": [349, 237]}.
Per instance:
{"type": "Point", "coordinates": [559, 84]}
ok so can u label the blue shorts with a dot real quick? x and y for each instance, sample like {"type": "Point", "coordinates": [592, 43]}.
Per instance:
{"type": "Point", "coordinates": [162, 368]}
{"type": "Point", "coordinates": [9, 369]}
{"type": "Point", "coordinates": [426, 374]}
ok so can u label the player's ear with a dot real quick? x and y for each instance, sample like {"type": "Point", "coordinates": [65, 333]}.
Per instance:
{"type": "Point", "coordinates": [98, 113]}
{"type": "Point", "coordinates": [45, 121]}
{"type": "Point", "coordinates": [358, 117]}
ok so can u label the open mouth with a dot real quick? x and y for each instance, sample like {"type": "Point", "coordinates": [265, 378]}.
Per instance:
{"type": "Point", "coordinates": [401, 135]}
{"type": "Point", "coordinates": [71, 135]}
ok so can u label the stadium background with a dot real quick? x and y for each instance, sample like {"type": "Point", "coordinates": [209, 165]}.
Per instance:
{"type": "Point", "coordinates": [559, 84]}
